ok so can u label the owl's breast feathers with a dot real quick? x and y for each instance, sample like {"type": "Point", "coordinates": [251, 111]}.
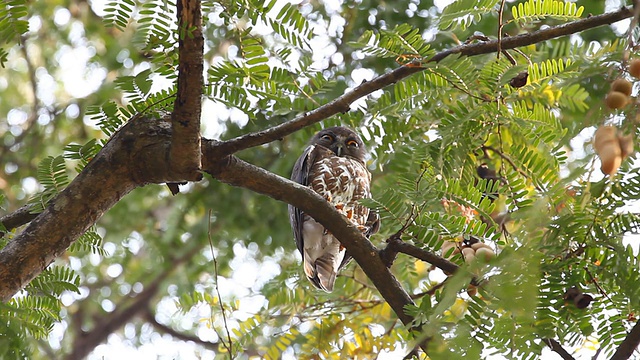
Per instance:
{"type": "Point", "coordinates": [343, 181]}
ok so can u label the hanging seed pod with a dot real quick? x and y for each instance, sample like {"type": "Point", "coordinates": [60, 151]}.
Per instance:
{"type": "Point", "coordinates": [607, 146]}
{"type": "Point", "coordinates": [485, 254]}
{"type": "Point", "coordinates": [634, 68]}
{"type": "Point", "coordinates": [626, 145]}
{"type": "Point", "coordinates": [616, 100]}
{"type": "Point", "coordinates": [479, 245]}
{"type": "Point", "coordinates": [469, 255]}
{"type": "Point", "coordinates": [622, 85]}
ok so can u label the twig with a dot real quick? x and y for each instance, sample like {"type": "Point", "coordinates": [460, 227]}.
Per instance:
{"type": "Point", "coordinates": [427, 256]}
{"type": "Point", "coordinates": [17, 218]}
{"type": "Point", "coordinates": [150, 318]}
{"type": "Point", "coordinates": [229, 345]}
{"type": "Point", "coordinates": [555, 346]}
{"type": "Point", "coordinates": [598, 285]}
{"type": "Point", "coordinates": [500, 26]}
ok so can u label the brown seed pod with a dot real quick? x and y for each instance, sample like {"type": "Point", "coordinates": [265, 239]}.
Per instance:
{"type": "Point", "coordinates": [519, 80]}
{"type": "Point", "coordinates": [469, 255]}
{"type": "Point", "coordinates": [622, 85]}
{"type": "Point", "coordinates": [485, 254]}
{"type": "Point", "coordinates": [472, 290]}
{"type": "Point", "coordinates": [603, 136]}
{"type": "Point", "coordinates": [571, 293]}
{"type": "Point", "coordinates": [634, 68]}
{"type": "Point", "coordinates": [616, 100]}
{"type": "Point", "coordinates": [582, 300]}
{"type": "Point", "coordinates": [626, 145]}
{"type": "Point", "coordinates": [610, 159]}
{"type": "Point", "coordinates": [449, 249]}
{"type": "Point", "coordinates": [479, 245]}
{"type": "Point", "coordinates": [607, 146]}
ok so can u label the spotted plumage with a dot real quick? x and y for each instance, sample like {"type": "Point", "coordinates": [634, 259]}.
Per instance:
{"type": "Point", "coordinates": [333, 165]}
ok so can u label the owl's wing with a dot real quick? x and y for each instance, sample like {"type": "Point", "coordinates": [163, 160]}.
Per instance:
{"type": "Point", "coordinates": [373, 223]}
{"type": "Point", "coordinates": [300, 174]}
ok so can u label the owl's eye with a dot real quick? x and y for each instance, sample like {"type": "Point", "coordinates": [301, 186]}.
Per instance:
{"type": "Point", "coordinates": [352, 143]}
{"type": "Point", "coordinates": [327, 137]}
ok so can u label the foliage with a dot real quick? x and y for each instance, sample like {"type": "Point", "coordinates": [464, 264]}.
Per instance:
{"type": "Point", "coordinates": [553, 220]}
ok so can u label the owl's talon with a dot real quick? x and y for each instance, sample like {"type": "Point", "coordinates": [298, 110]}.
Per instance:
{"type": "Point", "coordinates": [339, 206]}
{"type": "Point", "coordinates": [349, 214]}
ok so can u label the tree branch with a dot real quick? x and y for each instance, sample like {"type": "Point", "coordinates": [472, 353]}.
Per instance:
{"type": "Point", "coordinates": [342, 103]}
{"type": "Point", "coordinates": [134, 156]}
{"type": "Point", "coordinates": [17, 218]}
{"type": "Point", "coordinates": [555, 346]}
{"type": "Point", "coordinates": [185, 119]}
{"type": "Point", "coordinates": [629, 344]}
{"type": "Point", "coordinates": [399, 246]}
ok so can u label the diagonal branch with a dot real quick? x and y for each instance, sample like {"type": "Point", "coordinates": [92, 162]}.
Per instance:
{"type": "Point", "coordinates": [185, 119]}
{"type": "Point", "coordinates": [134, 156]}
{"type": "Point", "coordinates": [629, 344]}
{"type": "Point", "coordinates": [236, 172]}
{"type": "Point", "coordinates": [557, 347]}
{"type": "Point", "coordinates": [342, 103]}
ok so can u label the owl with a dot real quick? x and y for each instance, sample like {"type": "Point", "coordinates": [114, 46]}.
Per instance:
{"type": "Point", "coordinates": [333, 165]}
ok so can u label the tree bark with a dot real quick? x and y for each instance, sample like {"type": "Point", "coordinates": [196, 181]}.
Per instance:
{"type": "Point", "coordinates": [131, 158]}
{"type": "Point", "coordinates": [185, 145]}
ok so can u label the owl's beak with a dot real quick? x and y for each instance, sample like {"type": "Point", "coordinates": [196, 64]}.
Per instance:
{"type": "Point", "coordinates": [339, 149]}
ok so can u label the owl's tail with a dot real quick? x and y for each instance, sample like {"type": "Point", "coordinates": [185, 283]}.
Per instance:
{"type": "Point", "coordinates": [325, 273]}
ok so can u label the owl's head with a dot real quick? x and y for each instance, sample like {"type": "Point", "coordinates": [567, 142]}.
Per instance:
{"type": "Point", "coordinates": [342, 141]}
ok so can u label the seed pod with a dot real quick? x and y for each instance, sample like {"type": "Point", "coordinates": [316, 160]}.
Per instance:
{"type": "Point", "coordinates": [622, 85]}
{"type": "Point", "coordinates": [472, 290]}
{"type": "Point", "coordinates": [469, 255]}
{"type": "Point", "coordinates": [485, 254]}
{"type": "Point", "coordinates": [571, 293]}
{"type": "Point", "coordinates": [616, 100]}
{"type": "Point", "coordinates": [450, 249]}
{"type": "Point", "coordinates": [626, 145]}
{"type": "Point", "coordinates": [634, 68]}
{"type": "Point", "coordinates": [479, 245]}
{"type": "Point", "coordinates": [607, 146]}
{"type": "Point", "coordinates": [582, 300]}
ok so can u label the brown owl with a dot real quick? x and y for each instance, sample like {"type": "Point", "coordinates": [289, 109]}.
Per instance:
{"type": "Point", "coordinates": [333, 165]}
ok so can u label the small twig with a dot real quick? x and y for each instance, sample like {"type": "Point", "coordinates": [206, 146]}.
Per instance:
{"type": "Point", "coordinates": [555, 346]}
{"type": "Point", "coordinates": [431, 291]}
{"type": "Point", "coordinates": [500, 26]}
{"type": "Point", "coordinates": [228, 345]}
{"type": "Point", "coordinates": [598, 285]}
{"type": "Point", "coordinates": [388, 254]}
{"type": "Point", "coordinates": [17, 218]}
{"type": "Point", "coordinates": [427, 256]}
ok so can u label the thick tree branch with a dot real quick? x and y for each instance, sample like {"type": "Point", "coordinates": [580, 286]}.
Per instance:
{"type": "Point", "coordinates": [555, 346]}
{"type": "Point", "coordinates": [185, 119]}
{"type": "Point", "coordinates": [629, 344]}
{"type": "Point", "coordinates": [341, 104]}
{"type": "Point", "coordinates": [134, 156]}
{"type": "Point", "coordinates": [236, 172]}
